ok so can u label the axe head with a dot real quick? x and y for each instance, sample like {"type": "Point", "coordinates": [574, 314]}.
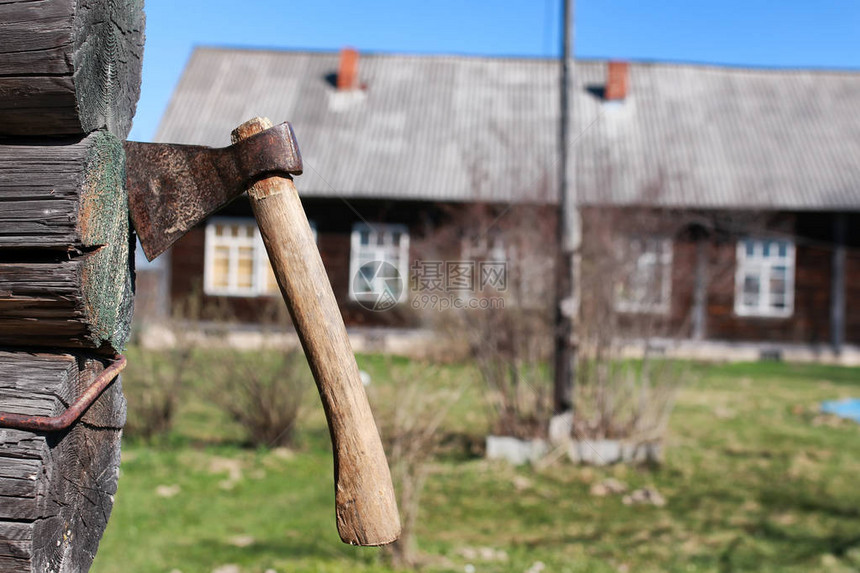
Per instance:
{"type": "Point", "coordinates": [172, 188]}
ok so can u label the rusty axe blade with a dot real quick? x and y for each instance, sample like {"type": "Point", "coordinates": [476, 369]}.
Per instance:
{"type": "Point", "coordinates": [172, 188]}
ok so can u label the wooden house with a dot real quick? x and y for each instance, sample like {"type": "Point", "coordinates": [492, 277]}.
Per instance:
{"type": "Point", "coordinates": [744, 184]}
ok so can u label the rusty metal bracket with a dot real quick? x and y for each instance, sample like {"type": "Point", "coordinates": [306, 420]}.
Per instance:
{"type": "Point", "coordinates": [174, 187]}
{"type": "Point", "coordinates": [73, 412]}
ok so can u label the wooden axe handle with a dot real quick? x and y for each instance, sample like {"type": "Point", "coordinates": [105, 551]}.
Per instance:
{"type": "Point", "coordinates": [364, 495]}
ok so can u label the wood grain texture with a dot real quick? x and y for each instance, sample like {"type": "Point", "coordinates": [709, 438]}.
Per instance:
{"type": "Point", "coordinates": [69, 66]}
{"type": "Point", "coordinates": [56, 490]}
{"type": "Point", "coordinates": [65, 277]}
{"type": "Point", "coordinates": [365, 505]}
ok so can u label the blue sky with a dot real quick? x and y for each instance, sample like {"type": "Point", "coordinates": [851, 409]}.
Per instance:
{"type": "Point", "coordinates": [784, 33]}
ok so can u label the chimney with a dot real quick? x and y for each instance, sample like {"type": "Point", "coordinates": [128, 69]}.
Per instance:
{"type": "Point", "coordinates": [347, 72]}
{"type": "Point", "coordinates": [616, 81]}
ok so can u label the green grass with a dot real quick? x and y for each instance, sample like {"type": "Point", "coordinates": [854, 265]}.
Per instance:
{"type": "Point", "coordinates": [754, 478]}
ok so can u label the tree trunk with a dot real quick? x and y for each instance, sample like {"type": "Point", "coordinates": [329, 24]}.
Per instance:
{"type": "Point", "coordinates": [56, 489]}
{"type": "Point", "coordinates": [65, 279]}
{"type": "Point", "coordinates": [69, 66]}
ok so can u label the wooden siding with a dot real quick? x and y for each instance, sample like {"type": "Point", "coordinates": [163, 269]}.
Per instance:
{"type": "Point", "coordinates": [810, 321]}
{"type": "Point", "coordinates": [808, 324]}
{"type": "Point", "coordinates": [333, 221]}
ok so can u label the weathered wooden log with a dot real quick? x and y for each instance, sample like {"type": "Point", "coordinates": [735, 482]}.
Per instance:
{"type": "Point", "coordinates": [57, 489]}
{"type": "Point", "coordinates": [65, 278]}
{"type": "Point", "coordinates": [69, 66]}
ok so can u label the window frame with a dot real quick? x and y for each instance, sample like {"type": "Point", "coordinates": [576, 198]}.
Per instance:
{"type": "Point", "coordinates": [355, 248]}
{"type": "Point", "coordinates": [663, 260]}
{"type": "Point", "coordinates": [260, 260]}
{"type": "Point", "coordinates": [745, 264]}
{"type": "Point", "coordinates": [484, 247]}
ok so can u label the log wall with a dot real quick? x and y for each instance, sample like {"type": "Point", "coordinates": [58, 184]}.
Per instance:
{"type": "Point", "coordinates": [57, 488]}
{"type": "Point", "coordinates": [65, 279]}
{"type": "Point", "coordinates": [69, 83]}
{"type": "Point", "coordinates": [69, 66]}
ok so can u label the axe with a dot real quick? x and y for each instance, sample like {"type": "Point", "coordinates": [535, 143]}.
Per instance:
{"type": "Point", "coordinates": [172, 188]}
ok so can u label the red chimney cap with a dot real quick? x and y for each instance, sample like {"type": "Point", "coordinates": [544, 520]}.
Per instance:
{"type": "Point", "coordinates": [617, 81]}
{"type": "Point", "coordinates": [347, 72]}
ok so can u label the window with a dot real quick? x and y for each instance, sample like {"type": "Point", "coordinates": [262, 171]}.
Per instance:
{"type": "Point", "coordinates": [382, 243]}
{"type": "Point", "coordinates": [236, 262]}
{"type": "Point", "coordinates": [487, 262]}
{"type": "Point", "coordinates": [483, 247]}
{"type": "Point", "coordinates": [764, 281]}
{"type": "Point", "coordinates": [645, 283]}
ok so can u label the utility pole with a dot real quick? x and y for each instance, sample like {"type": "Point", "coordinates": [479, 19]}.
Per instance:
{"type": "Point", "coordinates": [569, 236]}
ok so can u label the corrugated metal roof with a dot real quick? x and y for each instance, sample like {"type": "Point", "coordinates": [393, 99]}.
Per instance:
{"type": "Point", "coordinates": [455, 128]}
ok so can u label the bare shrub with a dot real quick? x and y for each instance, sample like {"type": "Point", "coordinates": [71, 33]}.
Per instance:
{"type": "Point", "coordinates": [409, 413]}
{"type": "Point", "coordinates": [627, 312]}
{"type": "Point", "coordinates": [625, 400]}
{"type": "Point", "coordinates": [614, 397]}
{"type": "Point", "coordinates": [262, 391]}
{"type": "Point", "coordinates": [509, 349]}
{"type": "Point", "coordinates": [152, 384]}
{"type": "Point", "coordinates": [510, 340]}
{"type": "Point", "coordinates": [154, 380]}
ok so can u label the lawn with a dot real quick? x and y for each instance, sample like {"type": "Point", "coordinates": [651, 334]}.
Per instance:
{"type": "Point", "coordinates": [754, 479]}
